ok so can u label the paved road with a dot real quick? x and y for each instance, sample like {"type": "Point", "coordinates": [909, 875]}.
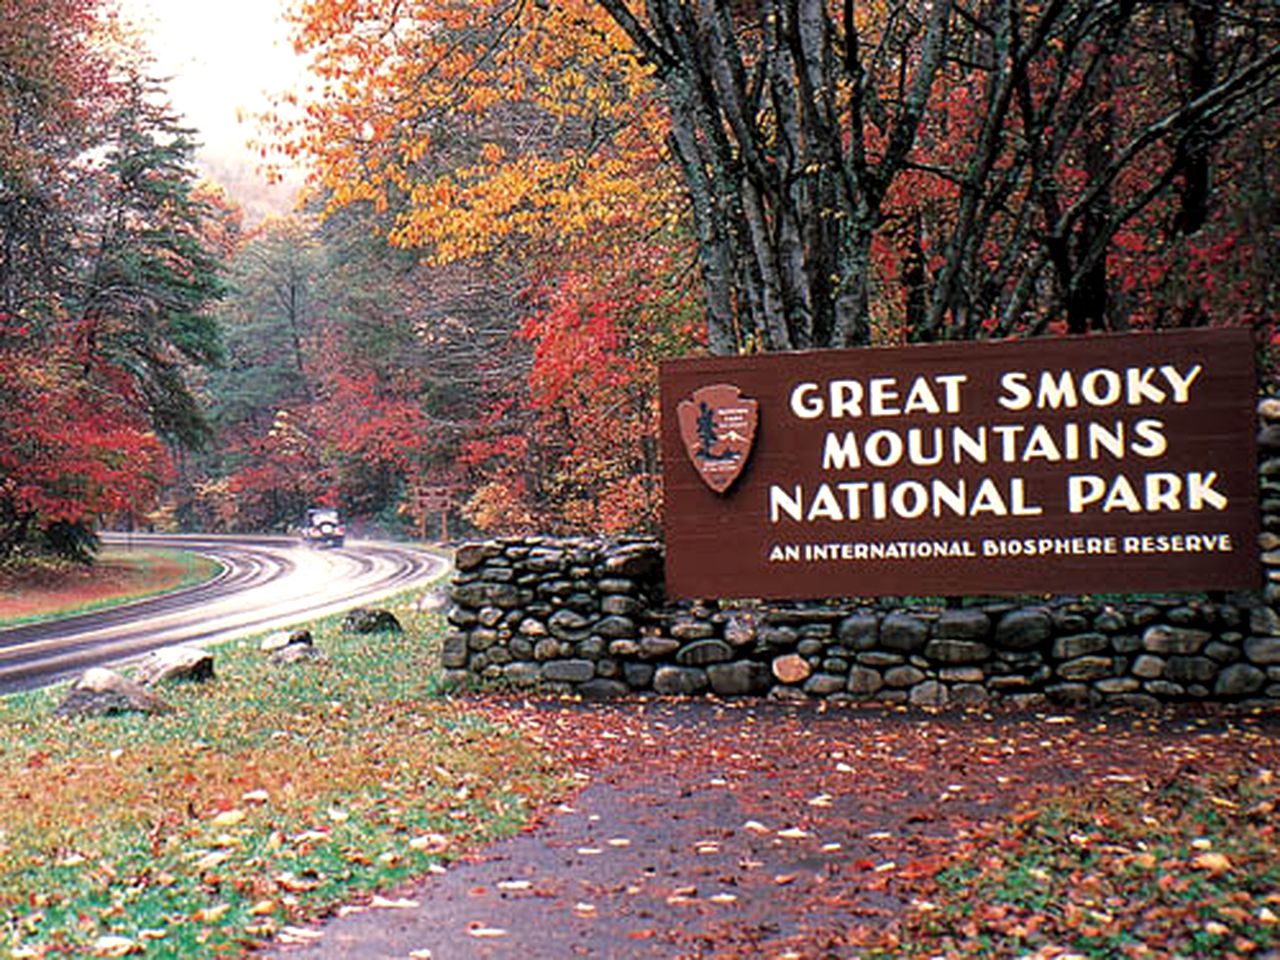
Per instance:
{"type": "Point", "coordinates": [265, 583]}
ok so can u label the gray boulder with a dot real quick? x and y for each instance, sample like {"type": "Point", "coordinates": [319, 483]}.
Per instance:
{"type": "Point", "coordinates": [101, 692]}
{"type": "Point", "coordinates": [370, 620]}
{"type": "Point", "coordinates": [170, 664]}
{"type": "Point", "coordinates": [283, 638]}
{"type": "Point", "coordinates": [297, 653]}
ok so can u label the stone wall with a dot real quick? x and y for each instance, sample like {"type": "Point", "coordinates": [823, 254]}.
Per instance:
{"type": "Point", "coordinates": [1269, 478]}
{"type": "Point", "coordinates": [588, 617]}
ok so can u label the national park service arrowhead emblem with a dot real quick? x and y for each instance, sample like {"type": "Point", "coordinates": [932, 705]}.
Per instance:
{"type": "Point", "coordinates": [718, 427]}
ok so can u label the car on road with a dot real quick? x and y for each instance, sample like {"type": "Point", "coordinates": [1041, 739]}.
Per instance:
{"type": "Point", "coordinates": [324, 528]}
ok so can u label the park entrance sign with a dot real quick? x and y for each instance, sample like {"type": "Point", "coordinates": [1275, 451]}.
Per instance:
{"type": "Point", "coordinates": [1099, 464]}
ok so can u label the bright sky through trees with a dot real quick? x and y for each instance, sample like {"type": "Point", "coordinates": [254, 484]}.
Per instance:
{"type": "Point", "coordinates": [225, 61]}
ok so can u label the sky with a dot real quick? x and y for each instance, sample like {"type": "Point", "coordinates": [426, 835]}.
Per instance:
{"type": "Point", "coordinates": [224, 61]}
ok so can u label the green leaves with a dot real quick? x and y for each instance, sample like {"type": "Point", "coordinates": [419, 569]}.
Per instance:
{"type": "Point", "coordinates": [107, 272]}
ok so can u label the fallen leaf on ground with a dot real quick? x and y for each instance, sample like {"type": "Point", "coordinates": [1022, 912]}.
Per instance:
{"type": "Point", "coordinates": [430, 843]}
{"type": "Point", "coordinates": [383, 903]}
{"type": "Point", "coordinates": [109, 946]}
{"type": "Point", "coordinates": [300, 934]}
{"type": "Point", "coordinates": [229, 818]}
{"type": "Point", "coordinates": [481, 932]}
{"type": "Point", "coordinates": [1212, 862]}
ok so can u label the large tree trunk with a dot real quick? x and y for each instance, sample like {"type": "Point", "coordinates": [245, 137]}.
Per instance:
{"type": "Point", "coordinates": [795, 131]}
{"type": "Point", "coordinates": [785, 200]}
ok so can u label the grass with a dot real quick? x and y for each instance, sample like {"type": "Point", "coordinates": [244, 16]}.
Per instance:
{"type": "Point", "coordinates": [268, 796]}
{"type": "Point", "coordinates": [118, 576]}
{"type": "Point", "coordinates": [1188, 868]}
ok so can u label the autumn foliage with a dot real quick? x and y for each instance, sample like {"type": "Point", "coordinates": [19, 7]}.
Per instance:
{"type": "Point", "coordinates": [106, 268]}
{"type": "Point", "coordinates": [516, 210]}
{"type": "Point", "coordinates": [67, 450]}
{"type": "Point", "coordinates": [811, 174]}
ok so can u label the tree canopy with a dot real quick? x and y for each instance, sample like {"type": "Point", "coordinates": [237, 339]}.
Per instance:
{"type": "Point", "coordinates": [516, 208]}
{"type": "Point", "coordinates": [746, 175]}
{"type": "Point", "coordinates": [106, 274]}
{"type": "Point", "coordinates": [850, 172]}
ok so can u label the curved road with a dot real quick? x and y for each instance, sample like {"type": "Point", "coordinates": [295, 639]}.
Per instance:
{"type": "Point", "coordinates": [266, 583]}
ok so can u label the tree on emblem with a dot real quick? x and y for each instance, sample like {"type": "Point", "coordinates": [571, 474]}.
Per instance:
{"type": "Point", "coordinates": [707, 434]}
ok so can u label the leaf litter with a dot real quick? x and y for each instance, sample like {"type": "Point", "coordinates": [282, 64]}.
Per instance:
{"type": "Point", "coordinates": [997, 834]}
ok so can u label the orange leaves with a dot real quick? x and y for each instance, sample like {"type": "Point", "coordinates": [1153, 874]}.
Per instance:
{"type": "Point", "coordinates": [476, 124]}
{"type": "Point", "coordinates": [524, 140]}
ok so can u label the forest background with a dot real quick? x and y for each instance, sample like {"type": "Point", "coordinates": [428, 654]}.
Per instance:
{"type": "Point", "coordinates": [517, 208]}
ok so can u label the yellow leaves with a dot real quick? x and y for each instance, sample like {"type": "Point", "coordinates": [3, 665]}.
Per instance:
{"type": "Point", "coordinates": [1211, 862]}
{"type": "Point", "coordinates": [211, 914]}
{"type": "Point", "coordinates": [512, 91]}
{"type": "Point", "coordinates": [228, 818]}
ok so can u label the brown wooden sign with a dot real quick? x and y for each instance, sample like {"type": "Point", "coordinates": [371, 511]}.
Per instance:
{"type": "Point", "coordinates": [1099, 464]}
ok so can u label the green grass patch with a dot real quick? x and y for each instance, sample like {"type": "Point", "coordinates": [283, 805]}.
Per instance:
{"type": "Point", "coordinates": [268, 796]}
{"type": "Point", "coordinates": [136, 574]}
{"type": "Point", "coordinates": [1186, 868]}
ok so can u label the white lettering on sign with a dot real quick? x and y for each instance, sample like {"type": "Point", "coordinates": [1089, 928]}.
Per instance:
{"type": "Point", "coordinates": [996, 443]}
{"type": "Point", "coordinates": [1150, 494]}
{"type": "Point", "coordinates": [1100, 387]}
{"type": "Point", "coordinates": [910, 499]}
{"type": "Point", "coordinates": [878, 397]}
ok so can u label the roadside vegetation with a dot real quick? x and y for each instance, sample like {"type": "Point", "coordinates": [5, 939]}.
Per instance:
{"type": "Point", "coordinates": [1189, 867]}
{"type": "Point", "coordinates": [274, 796]}
{"type": "Point", "coordinates": [33, 589]}
{"type": "Point", "coordinates": [260, 801]}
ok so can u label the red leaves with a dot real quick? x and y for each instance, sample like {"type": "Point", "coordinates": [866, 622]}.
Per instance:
{"type": "Point", "coordinates": [580, 457]}
{"type": "Point", "coordinates": [69, 452]}
{"type": "Point", "coordinates": [579, 347]}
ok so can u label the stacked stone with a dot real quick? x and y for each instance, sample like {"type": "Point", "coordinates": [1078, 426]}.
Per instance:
{"type": "Point", "coordinates": [587, 617]}
{"type": "Point", "coordinates": [1269, 471]}
{"type": "Point", "coordinates": [546, 612]}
